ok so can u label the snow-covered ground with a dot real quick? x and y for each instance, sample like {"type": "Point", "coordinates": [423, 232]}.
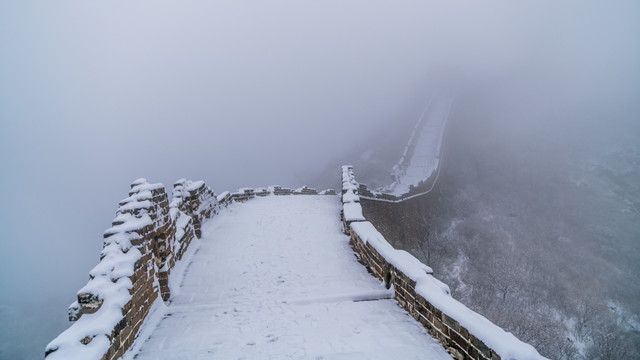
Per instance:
{"type": "Point", "coordinates": [411, 170]}
{"type": "Point", "coordinates": [276, 278]}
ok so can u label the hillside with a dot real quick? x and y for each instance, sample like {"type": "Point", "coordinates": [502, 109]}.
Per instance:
{"type": "Point", "coordinates": [534, 224]}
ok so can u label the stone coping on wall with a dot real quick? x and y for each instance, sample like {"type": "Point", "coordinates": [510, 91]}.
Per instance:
{"type": "Point", "coordinates": [463, 332]}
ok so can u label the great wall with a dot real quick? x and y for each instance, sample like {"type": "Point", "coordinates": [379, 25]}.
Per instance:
{"type": "Point", "coordinates": [152, 237]}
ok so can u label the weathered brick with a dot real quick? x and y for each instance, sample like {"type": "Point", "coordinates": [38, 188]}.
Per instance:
{"type": "Point", "coordinates": [495, 356]}
{"type": "Point", "coordinates": [121, 350]}
{"type": "Point", "coordinates": [482, 348]}
{"type": "Point", "coordinates": [474, 353]}
{"type": "Point", "coordinates": [458, 340]}
{"type": "Point", "coordinates": [451, 323]}
{"type": "Point", "coordinates": [442, 327]}
{"type": "Point", "coordinates": [464, 332]}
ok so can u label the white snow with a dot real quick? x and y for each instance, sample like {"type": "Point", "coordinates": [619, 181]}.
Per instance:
{"type": "Point", "coordinates": [223, 196]}
{"type": "Point", "coordinates": [353, 212]}
{"type": "Point", "coordinates": [275, 278]}
{"type": "Point", "coordinates": [141, 186]}
{"type": "Point", "coordinates": [194, 185]}
{"type": "Point", "coordinates": [350, 196]}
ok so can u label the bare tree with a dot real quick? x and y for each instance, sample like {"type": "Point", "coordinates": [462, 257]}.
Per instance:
{"type": "Point", "coordinates": [609, 344]}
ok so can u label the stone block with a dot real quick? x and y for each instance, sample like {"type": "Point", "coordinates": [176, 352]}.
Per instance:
{"type": "Point", "coordinates": [121, 325]}
{"type": "Point", "coordinates": [110, 354]}
{"type": "Point", "coordinates": [442, 328]}
{"type": "Point", "coordinates": [89, 302]}
{"type": "Point", "coordinates": [464, 333]}
{"type": "Point", "coordinates": [451, 323]}
{"type": "Point", "coordinates": [456, 353]}
{"type": "Point", "coordinates": [422, 319]}
{"type": "Point", "coordinates": [458, 340]}
{"type": "Point", "coordinates": [480, 346]}
{"type": "Point", "coordinates": [120, 351]}
{"type": "Point", "coordinates": [75, 311]}
{"type": "Point", "coordinates": [474, 353]}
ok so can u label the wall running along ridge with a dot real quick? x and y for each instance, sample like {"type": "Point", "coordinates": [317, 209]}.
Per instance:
{"type": "Point", "coordinates": [147, 238]}
{"type": "Point", "coordinates": [400, 168]}
{"type": "Point", "coordinates": [406, 183]}
{"type": "Point", "coordinates": [464, 333]}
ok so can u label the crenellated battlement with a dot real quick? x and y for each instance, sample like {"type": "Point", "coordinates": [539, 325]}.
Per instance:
{"type": "Point", "coordinates": [148, 236]}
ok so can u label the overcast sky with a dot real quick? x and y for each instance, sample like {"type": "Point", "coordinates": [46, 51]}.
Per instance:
{"type": "Point", "coordinates": [94, 94]}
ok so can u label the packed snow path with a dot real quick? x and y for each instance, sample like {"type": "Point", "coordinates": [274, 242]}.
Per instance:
{"type": "Point", "coordinates": [275, 278]}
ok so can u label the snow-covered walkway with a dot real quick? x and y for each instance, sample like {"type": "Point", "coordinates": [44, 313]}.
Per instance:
{"type": "Point", "coordinates": [275, 278]}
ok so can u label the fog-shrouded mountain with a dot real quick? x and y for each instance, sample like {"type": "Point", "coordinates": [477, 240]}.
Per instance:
{"type": "Point", "coordinates": [535, 219]}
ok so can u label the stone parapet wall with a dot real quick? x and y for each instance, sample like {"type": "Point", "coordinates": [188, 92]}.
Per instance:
{"type": "Point", "coordinates": [193, 202]}
{"type": "Point", "coordinates": [147, 238]}
{"type": "Point", "coordinates": [351, 208]}
{"type": "Point", "coordinates": [401, 223]}
{"type": "Point", "coordinates": [464, 333]}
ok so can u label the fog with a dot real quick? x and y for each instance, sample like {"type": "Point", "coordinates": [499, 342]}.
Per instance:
{"type": "Point", "coordinates": [243, 93]}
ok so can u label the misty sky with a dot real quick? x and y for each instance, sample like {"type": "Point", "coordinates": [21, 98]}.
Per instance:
{"type": "Point", "coordinates": [94, 94]}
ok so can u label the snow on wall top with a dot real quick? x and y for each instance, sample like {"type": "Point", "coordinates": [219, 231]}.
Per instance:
{"type": "Point", "coordinates": [98, 309]}
{"type": "Point", "coordinates": [351, 208]}
{"type": "Point", "coordinates": [352, 212]}
{"type": "Point", "coordinates": [400, 259]}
